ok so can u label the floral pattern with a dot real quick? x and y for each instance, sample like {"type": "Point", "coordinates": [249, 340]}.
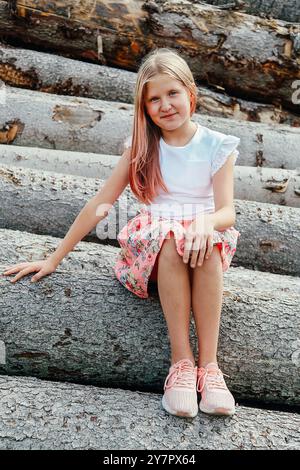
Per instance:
{"type": "Point", "coordinates": [141, 240]}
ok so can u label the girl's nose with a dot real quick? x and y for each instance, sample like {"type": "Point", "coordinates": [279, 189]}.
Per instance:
{"type": "Point", "coordinates": [165, 106]}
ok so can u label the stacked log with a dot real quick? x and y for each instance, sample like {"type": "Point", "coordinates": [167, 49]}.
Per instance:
{"type": "Point", "coordinates": [271, 185]}
{"type": "Point", "coordinates": [214, 42]}
{"type": "Point", "coordinates": [85, 164]}
{"type": "Point", "coordinates": [97, 419]}
{"type": "Point", "coordinates": [287, 11]}
{"type": "Point", "coordinates": [73, 324]}
{"type": "Point", "coordinates": [63, 123]}
{"type": "Point", "coordinates": [48, 202]}
{"type": "Point", "coordinates": [62, 76]}
{"type": "Point", "coordinates": [35, 119]}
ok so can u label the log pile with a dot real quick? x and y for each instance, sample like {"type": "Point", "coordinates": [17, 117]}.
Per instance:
{"type": "Point", "coordinates": [80, 304]}
{"type": "Point", "coordinates": [96, 418]}
{"type": "Point", "coordinates": [45, 202]}
{"type": "Point", "coordinates": [287, 11]}
{"type": "Point", "coordinates": [71, 344]}
{"type": "Point", "coordinates": [35, 119]}
{"type": "Point", "coordinates": [211, 39]}
{"type": "Point", "coordinates": [50, 73]}
{"type": "Point", "coordinates": [261, 184]}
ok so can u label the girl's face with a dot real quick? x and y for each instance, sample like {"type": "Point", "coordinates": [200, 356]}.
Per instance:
{"type": "Point", "coordinates": [166, 96]}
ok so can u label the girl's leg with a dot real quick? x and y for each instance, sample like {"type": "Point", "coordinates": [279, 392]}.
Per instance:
{"type": "Point", "coordinates": [174, 290]}
{"type": "Point", "coordinates": [207, 293]}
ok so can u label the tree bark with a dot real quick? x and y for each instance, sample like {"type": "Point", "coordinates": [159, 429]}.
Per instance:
{"type": "Point", "coordinates": [79, 318]}
{"type": "Point", "coordinates": [48, 202]}
{"type": "Point", "coordinates": [271, 185]}
{"type": "Point", "coordinates": [81, 124]}
{"type": "Point", "coordinates": [214, 42]}
{"type": "Point", "coordinates": [287, 11]}
{"type": "Point", "coordinates": [43, 415]}
{"type": "Point", "coordinates": [268, 185]}
{"type": "Point", "coordinates": [83, 164]}
{"type": "Point", "coordinates": [54, 74]}
{"type": "Point", "coordinates": [54, 201]}
{"type": "Point", "coordinates": [83, 258]}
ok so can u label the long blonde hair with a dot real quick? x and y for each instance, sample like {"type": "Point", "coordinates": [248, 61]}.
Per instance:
{"type": "Point", "coordinates": [144, 170]}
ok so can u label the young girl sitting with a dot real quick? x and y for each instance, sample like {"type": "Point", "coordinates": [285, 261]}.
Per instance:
{"type": "Point", "coordinates": [183, 237]}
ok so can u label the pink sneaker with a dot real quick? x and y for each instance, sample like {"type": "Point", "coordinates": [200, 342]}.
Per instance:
{"type": "Point", "coordinates": [180, 397]}
{"type": "Point", "coordinates": [216, 399]}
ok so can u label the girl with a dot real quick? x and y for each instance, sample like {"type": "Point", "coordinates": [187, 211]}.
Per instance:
{"type": "Point", "coordinates": [183, 237]}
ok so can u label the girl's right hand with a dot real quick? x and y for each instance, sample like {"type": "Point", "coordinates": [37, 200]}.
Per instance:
{"type": "Point", "coordinates": [42, 268]}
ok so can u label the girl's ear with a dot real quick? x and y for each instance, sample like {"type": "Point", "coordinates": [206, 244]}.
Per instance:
{"type": "Point", "coordinates": [192, 101]}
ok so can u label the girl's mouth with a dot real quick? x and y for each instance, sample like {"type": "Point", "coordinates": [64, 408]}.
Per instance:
{"type": "Point", "coordinates": [169, 116]}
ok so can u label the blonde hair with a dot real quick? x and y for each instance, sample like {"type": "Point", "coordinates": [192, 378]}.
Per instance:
{"type": "Point", "coordinates": [144, 170]}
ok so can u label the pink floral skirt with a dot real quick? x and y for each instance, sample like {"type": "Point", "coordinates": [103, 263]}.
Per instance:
{"type": "Point", "coordinates": [141, 240]}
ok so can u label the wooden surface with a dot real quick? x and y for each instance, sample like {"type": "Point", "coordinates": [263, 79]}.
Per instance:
{"type": "Point", "coordinates": [48, 203]}
{"type": "Point", "coordinates": [271, 185]}
{"type": "Point", "coordinates": [214, 42]}
{"type": "Point", "coordinates": [51, 73]}
{"type": "Point", "coordinates": [42, 415]}
{"type": "Point", "coordinates": [82, 124]}
{"type": "Point", "coordinates": [80, 324]}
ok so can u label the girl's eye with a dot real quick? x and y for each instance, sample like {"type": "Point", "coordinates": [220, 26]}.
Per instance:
{"type": "Point", "coordinates": [171, 92]}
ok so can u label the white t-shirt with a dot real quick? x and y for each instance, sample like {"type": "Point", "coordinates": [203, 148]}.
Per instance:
{"type": "Point", "coordinates": [187, 172]}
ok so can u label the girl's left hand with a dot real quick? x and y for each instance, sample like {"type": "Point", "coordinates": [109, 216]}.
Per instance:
{"type": "Point", "coordinates": [198, 240]}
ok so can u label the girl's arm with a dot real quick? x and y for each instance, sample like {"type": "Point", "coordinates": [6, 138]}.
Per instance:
{"type": "Point", "coordinates": [87, 218]}
{"type": "Point", "coordinates": [83, 224]}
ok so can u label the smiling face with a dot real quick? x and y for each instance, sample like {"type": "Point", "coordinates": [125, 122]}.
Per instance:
{"type": "Point", "coordinates": [166, 96]}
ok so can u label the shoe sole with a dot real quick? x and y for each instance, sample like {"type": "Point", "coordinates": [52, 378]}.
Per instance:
{"type": "Point", "coordinates": [217, 411]}
{"type": "Point", "coordinates": [181, 414]}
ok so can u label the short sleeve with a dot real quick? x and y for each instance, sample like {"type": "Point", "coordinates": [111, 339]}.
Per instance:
{"type": "Point", "coordinates": [127, 143]}
{"type": "Point", "coordinates": [228, 146]}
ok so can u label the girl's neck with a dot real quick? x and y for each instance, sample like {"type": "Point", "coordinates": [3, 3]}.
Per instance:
{"type": "Point", "coordinates": [181, 136]}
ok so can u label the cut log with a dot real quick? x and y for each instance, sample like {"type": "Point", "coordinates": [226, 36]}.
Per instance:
{"type": "Point", "coordinates": [226, 106]}
{"type": "Point", "coordinates": [54, 202]}
{"type": "Point", "coordinates": [47, 203]}
{"type": "Point", "coordinates": [84, 257]}
{"type": "Point", "coordinates": [214, 42]}
{"type": "Point", "coordinates": [287, 11]}
{"type": "Point", "coordinates": [38, 119]}
{"type": "Point", "coordinates": [272, 185]}
{"type": "Point", "coordinates": [59, 75]}
{"type": "Point", "coordinates": [269, 185]}
{"type": "Point", "coordinates": [54, 74]}
{"type": "Point", "coordinates": [65, 325]}
{"type": "Point", "coordinates": [83, 164]}
{"type": "Point", "coordinates": [43, 415]}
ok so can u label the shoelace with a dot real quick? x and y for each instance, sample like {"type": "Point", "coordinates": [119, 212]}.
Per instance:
{"type": "Point", "coordinates": [214, 378]}
{"type": "Point", "coordinates": [182, 374]}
